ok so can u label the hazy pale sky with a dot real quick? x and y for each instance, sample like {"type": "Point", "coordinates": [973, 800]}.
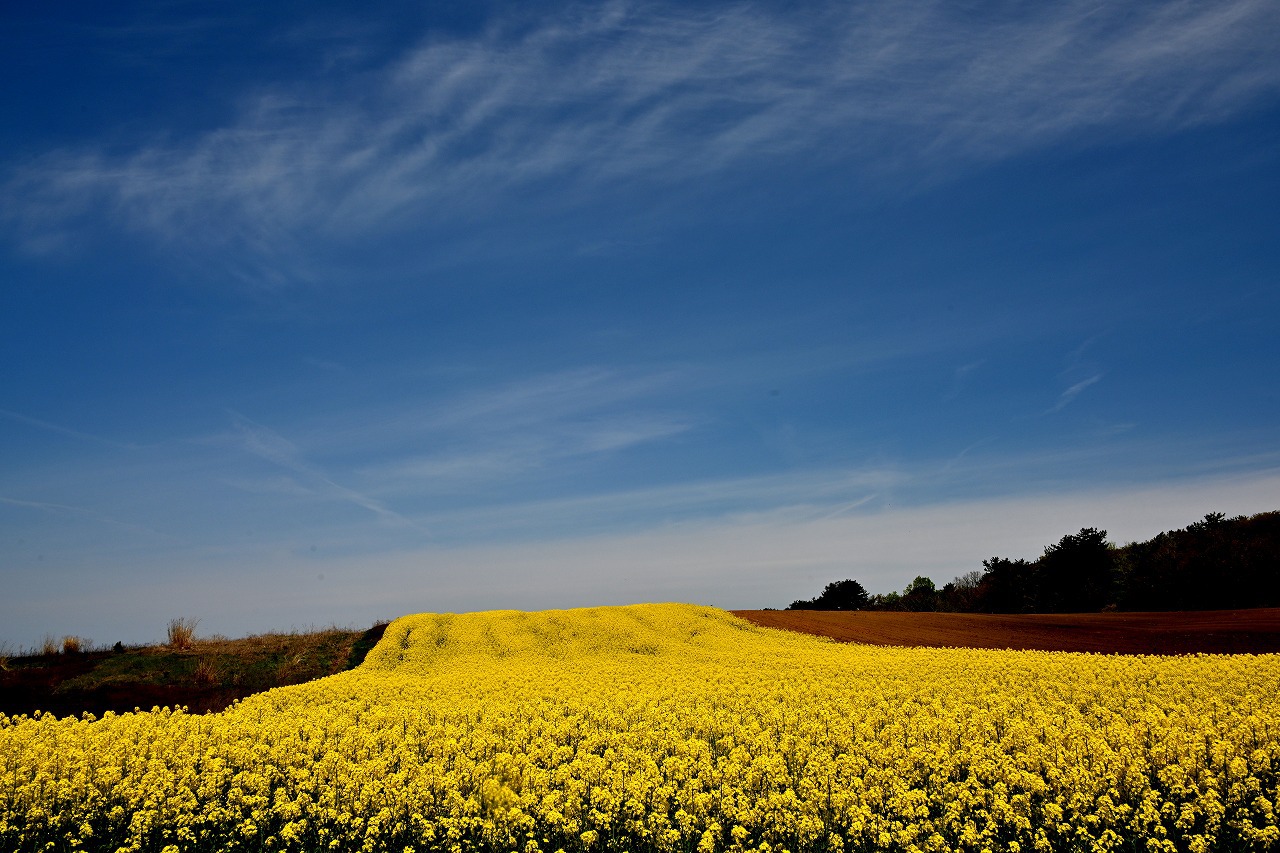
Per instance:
{"type": "Point", "coordinates": [313, 315]}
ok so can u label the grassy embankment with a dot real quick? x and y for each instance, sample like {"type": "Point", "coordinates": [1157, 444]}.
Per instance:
{"type": "Point", "coordinates": [200, 674]}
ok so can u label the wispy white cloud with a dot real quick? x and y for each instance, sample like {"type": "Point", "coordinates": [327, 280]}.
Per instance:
{"type": "Point", "coordinates": [43, 506]}
{"type": "Point", "coordinates": [520, 406]}
{"type": "Point", "coordinates": [964, 452]}
{"type": "Point", "coordinates": [504, 453]}
{"type": "Point", "coordinates": [490, 432]}
{"type": "Point", "coordinates": [281, 485]}
{"type": "Point", "coordinates": [961, 377]}
{"type": "Point", "coordinates": [65, 431]}
{"type": "Point", "coordinates": [67, 510]}
{"type": "Point", "coordinates": [462, 466]}
{"type": "Point", "coordinates": [1069, 395]}
{"type": "Point", "coordinates": [798, 496]}
{"type": "Point", "coordinates": [600, 96]}
{"type": "Point", "coordinates": [805, 496]}
{"type": "Point", "coordinates": [266, 444]}
{"type": "Point", "coordinates": [547, 397]}
{"type": "Point", "coordinates": [602, 437]}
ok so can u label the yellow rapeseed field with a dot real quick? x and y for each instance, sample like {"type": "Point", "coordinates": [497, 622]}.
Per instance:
{"type": "Point", "coordinates": [671, 728]}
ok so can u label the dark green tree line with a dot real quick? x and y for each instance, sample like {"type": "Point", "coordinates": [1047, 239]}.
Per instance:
{"type": "Point", "coordinates": [1214, 564]}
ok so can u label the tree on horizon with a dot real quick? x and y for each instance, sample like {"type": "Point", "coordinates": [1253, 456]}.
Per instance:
{"type": "Point", "coordinates": [841, 595]}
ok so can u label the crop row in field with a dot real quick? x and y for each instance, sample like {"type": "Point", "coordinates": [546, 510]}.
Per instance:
{"type": "Point", "coordinates": [672, 728]}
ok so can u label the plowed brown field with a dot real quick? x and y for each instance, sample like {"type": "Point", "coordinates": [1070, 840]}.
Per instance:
{"type": "Point", "coordinates": [1213, 631]}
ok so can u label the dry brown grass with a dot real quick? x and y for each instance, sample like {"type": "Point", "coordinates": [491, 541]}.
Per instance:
{"type": "Point", "coordinates": [205, 674]}
{"type": "Point", "coordinates": [72, 645]}
{"type": "Point", "coordinates": [48, 646]}
{"type": "Point", "coordinates": [182, 633]}
{"type": "Point", "coordinates": [1211, 631]}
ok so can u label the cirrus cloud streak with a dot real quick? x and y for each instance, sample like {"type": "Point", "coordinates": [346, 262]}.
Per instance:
{"type": "Point", "coordinates": [594, 100]}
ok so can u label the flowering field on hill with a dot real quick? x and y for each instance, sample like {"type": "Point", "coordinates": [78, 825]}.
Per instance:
{"type": "Point", "coordinates": [672, 728]}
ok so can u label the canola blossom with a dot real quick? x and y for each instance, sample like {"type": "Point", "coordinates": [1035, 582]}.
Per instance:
{"type": "Point", "coordinates": [671, 728]}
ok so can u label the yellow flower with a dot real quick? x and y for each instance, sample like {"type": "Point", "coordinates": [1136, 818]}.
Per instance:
{"type": "Point", "coordinates": [657, 726]}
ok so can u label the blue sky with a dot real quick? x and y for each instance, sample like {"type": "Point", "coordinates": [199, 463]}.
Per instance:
{"type": "Point", "coordinates": [311, 316]}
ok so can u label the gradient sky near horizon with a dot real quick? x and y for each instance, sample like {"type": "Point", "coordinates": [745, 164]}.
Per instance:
{"type": "Point", "coordinates": [312, 315]}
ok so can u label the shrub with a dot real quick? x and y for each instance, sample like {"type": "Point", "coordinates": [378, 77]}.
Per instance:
{"type": "Point", "coordinates": [206, 674]}
{"type": "Point", "coordinates": [182, 632]}
{"type": "Point", "coordinates": [48, 646]}
{"type": "Point", "coordinates": [72, 645]}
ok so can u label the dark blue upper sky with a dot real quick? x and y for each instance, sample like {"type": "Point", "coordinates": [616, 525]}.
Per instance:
{"type": "Point", "coordinates": [312, 315]}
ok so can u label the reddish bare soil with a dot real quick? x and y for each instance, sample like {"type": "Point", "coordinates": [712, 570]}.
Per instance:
{"type": "Point", "coordinates": [1213, 631]}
